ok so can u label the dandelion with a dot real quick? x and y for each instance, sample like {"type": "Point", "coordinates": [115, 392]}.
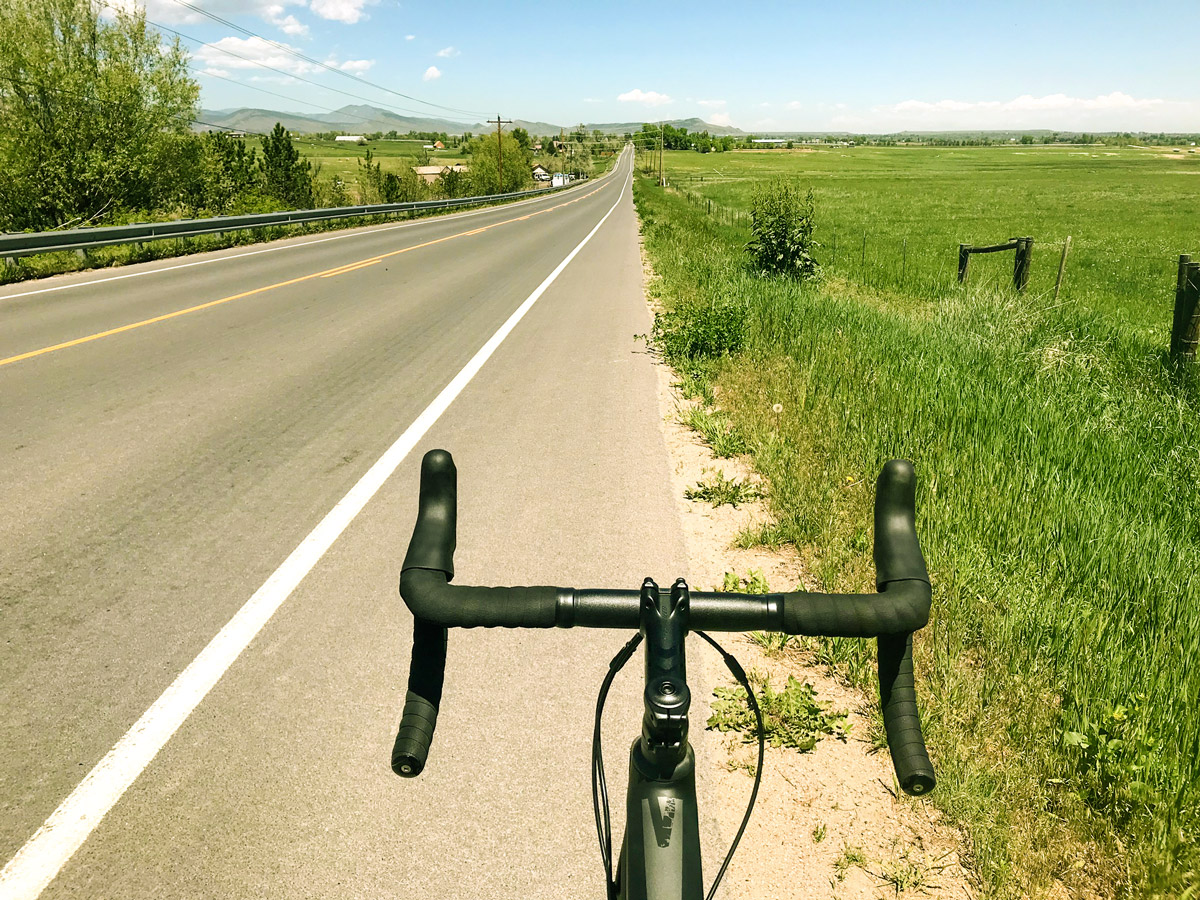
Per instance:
{"type": "Point", "coordinates": [777, 408]}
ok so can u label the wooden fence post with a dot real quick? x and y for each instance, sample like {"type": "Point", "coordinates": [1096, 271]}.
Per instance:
{"type": "Point", "coordinates": [1185, 331]}
{"type": "Point", "coordinates": [1022, 263]}
{"type": "Point", "coordinates": [964, 260]}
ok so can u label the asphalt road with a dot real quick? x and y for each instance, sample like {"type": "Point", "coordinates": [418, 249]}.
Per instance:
{"type": "Point", "coordinates": [155, 477]}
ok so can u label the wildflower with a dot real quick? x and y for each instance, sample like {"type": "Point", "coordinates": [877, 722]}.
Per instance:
{"type": "Point", "coordinates": [777, 408]}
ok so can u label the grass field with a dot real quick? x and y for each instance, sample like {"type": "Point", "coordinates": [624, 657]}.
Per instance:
{"type": "Point", "coordinates": [1058, 455]}
{"type": "Point", "coordinates": [1126, 211]}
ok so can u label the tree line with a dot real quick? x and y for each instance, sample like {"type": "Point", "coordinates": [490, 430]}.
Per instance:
{"type": "Point", "coordinates": [96, 118]}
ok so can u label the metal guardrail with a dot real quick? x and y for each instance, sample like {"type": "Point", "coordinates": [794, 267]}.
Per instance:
{"type": "Point", "coordinates": [82, 239]}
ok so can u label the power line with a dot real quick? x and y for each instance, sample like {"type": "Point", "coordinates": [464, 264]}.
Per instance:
{"type": "Point", "coordinates": [262, 65]}
{"type": "Point", "coordinates": [308, 59]}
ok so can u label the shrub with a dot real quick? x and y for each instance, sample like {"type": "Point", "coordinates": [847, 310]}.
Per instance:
{"type": "Point", "coordinates": [781, 218]}
{"type": "Point", "coordinates": [698, 330]}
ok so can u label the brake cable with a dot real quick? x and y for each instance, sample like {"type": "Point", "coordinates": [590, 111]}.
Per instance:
{"type": "Point", "coordinates": [600, 788]}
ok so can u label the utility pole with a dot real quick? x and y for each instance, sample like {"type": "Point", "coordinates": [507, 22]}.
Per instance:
{"type": "Point", "coordinates": [500, 147]}
{"type": "Point", "coordinates": [660, 154]}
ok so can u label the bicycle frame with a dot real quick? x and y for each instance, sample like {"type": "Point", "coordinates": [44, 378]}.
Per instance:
{"type": "Point", "coordinates": [660, 850]}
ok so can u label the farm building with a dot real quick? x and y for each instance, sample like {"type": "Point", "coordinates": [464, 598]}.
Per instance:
{"type": "Point", "coordinates": [430, 174]}
{"type": "Point", "coordinates": [351, 138]}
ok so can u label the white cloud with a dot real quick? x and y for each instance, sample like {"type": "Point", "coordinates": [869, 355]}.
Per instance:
{"type": "Point", "coordinates": [170, 13]}
{"type": "Point", "coordinates": [1116, 111]}
{"type": "Point", "coordinates": [253, 53]}
{"type": "Point", "coordinates": [289, 24]}
{"type": "Point", "coordinates": [356, 66]}
{"type": "Point", "coordinates": [795, 104]}
{"type": "Point", "coordinates": [347, 11]}
{"type": "Point", "coordinates": [712, 104]}
{"type": "Point", "coordinates": [592, 100]}
{"type": "Point", "coordinates": [719, 119]}
{"type": "Point", "coordinates": [409, 37]}
{"type": "Point", "coordinates": [447, 52]}
{"type": "Point", "coordinates": [649, 98]}
{"type": "Point", "coordinates": [433, 72]}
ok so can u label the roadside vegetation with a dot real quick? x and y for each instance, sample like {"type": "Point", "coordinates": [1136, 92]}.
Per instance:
{"type": "Point", "coordinates": [96, 128]}
{"type": "Point", "coordinates": [1058, 457]}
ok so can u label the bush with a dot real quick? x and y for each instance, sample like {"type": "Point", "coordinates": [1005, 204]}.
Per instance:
{"type": "Point", "coordinates": [781, 218]}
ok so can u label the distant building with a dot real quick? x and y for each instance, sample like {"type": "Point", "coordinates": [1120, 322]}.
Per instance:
{"type": "Point", "coordinates": [351, 138]}
{"type": "Point", "coordinates": [430, 174]}
{"type": "Point", "coordinates": [770, 140]}
{"type": "Point", "coordinates": [438, 145]}
{"type": "Point", "coordinates": [541, 173]}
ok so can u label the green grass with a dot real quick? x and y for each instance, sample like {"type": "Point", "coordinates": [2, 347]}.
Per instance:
{"type": "Point", "coordinates": [1059, 464]}
{"type": "Point", "coordinates": [719, 490]}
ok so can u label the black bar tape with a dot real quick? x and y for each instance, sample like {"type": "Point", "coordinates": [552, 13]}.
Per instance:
{"type": "Point", "coordinates": [897, 551]}
{"type": "Point", "coordinates": [904, 607]}
{"type": "Point", "coordinates": [426, 673]}
{"type": "Point", "coordinates": [430, 597]}
{"type": "Point", "coordinates": [432, 544]}
{"type": "Point", "coordinates": [901, 720]}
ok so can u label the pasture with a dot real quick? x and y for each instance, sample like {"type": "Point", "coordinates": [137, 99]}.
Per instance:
{"type": "Point", "coordinates": [1057, 449]}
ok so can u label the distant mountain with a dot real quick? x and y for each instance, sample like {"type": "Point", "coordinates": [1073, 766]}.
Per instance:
{"type": "Point", "coordinates": [361, 118]}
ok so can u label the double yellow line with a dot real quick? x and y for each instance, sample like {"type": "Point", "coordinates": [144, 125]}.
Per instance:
{"type": "Point", "coordinates": [326, 273]}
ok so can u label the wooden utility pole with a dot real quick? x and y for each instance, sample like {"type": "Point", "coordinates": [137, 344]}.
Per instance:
{"type": "Point", "coordinates": [500, 147]}
{"type": "Point", "coordinates": [660, 155]}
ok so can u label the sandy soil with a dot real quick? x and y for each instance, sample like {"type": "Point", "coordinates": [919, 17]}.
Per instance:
{"type": "Point", "coordinates": [815, 809]}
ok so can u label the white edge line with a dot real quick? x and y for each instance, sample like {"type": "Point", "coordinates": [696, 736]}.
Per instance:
{"type": "Point", "coordinates": [357, 232]}
{"type": "Point", "coordinates": [42, 857]}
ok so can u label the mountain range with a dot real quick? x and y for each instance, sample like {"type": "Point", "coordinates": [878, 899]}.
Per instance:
{"type": "Point", "coordinates": [361, 118]}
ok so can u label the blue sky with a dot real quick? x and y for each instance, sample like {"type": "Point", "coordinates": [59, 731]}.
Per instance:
{"type": "Point", "coordinates": [761, 66]}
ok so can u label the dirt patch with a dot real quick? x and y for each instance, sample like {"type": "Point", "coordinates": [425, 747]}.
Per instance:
{"type": "Point", "coordinates": [828, 823]}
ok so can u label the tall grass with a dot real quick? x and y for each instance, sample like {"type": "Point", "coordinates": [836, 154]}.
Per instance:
{"type": "Point", "coordinates": [1059, 462]}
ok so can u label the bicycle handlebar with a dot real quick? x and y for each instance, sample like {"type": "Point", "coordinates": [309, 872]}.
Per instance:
{"type": "Point", "coordinates": [900, 607]}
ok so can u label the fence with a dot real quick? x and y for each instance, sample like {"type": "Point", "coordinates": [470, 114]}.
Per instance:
{"type": "Point", "coordinates": [1185, 330]}
{"type": "Point", "coordinates": [1024, 257]}
{"type": "Point", "coordinates": [81, 240]}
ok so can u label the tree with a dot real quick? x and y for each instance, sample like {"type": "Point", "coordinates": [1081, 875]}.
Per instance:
{"type": "Point", "coordinates": [285, 176]}
{"type": "Point", "coordinates": [485, 165]}
{"type": "Point", "coordinates": [521, 136]}
{"type": "Point", "coordinates": [85, 106]}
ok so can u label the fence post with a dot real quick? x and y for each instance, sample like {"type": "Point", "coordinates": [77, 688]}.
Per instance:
{"type": "Point", "coordinates": [964, 260]}
{"type": "Point", "coordinates": [1186, 328]}
{"type": "Point", "coordinates": [1022, 263]}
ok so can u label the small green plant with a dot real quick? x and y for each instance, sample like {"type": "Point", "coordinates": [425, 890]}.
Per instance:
{"type": "Point", "coordinates": [791, 717]}
{"type": "Point", "coordinates": [818, 833]}
{"type": "Point", "coordinates": [781, 218]}
{"type": "Point", "coordinates": [772, 643]}
{"type": "Point", "coordinates": [699, 330]}
{"type": "Point", "coordinates": [717, 429]}
{"type": "Point", "coordinates": [851, 857]}
{"type": "Point", "coordinates": [719, 490]}
{"type": "Point", "coordinates": [909, 873]}
{"type": "Point", "coordinates": [755, 582]}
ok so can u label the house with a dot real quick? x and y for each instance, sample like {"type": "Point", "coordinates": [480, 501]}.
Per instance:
{"type": "Point", "coordinates": [541, 173]}
{"type": "Point", "coordinates": [430, 174]}
{"type": "Point", "coordinates": [351, 138]}
{"type": "Point", "coordinates": [438, 145]}
{"type": "Point", "coordinates": [537, 148]}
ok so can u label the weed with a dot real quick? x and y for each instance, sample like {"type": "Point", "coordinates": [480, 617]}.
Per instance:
{"type": "Point", "coordinates": [818, 833]}
{"type": "Point", "coordinates": [755, 582]}
{"type": "Point", "coordinates": [850, 858]}
{"type": "Point", "coordinates": [717, 429]}
{"type": "Point", "coordinates": [772, 643]}
{"type": "Point", "coordinates": [719, 490]}
{"type": "Point", "coordinates": [791, 717]}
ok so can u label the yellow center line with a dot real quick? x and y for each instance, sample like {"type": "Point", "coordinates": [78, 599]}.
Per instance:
{"type": "Point", "coordinates": [325, 273]}
{"type": "Point", "coordinates": [353, 267]}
